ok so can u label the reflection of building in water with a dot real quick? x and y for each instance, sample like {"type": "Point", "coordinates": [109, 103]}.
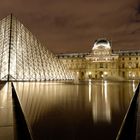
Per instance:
{"type": "Point", "coordinates": [105, 101]}
{"type": "Point", "coordinates": [74, 101]}
{"type": "Point", "coordinates": [101, 107]}
{"type": "Point", "coordinates": [103, 62]}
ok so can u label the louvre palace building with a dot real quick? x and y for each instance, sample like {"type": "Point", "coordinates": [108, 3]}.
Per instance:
{"type": "Point", "coordinates": [103, 63]}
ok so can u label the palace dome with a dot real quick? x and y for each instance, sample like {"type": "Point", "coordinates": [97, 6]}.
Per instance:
{"type": "Point", "coordinates": [101, 44]}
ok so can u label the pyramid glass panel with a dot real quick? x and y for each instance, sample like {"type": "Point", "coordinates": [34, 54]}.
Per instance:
{"type": "Point", "coordinates": [4, 47]}
{"type": "Point", "coordinates": [24, 58]}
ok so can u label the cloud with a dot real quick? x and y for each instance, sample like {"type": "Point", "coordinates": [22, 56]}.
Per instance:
{"type": "Point", "coordinates": [73, 25]}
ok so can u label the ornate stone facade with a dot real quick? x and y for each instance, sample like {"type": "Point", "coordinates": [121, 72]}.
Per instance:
{"type": "Point", "coordinates": [103, 62]}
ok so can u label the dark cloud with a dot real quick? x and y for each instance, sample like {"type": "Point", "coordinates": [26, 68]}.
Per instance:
{"type": "Point", "coordinates": [138, 8]}
{"type": "Point", "coordinates": [73, 25]}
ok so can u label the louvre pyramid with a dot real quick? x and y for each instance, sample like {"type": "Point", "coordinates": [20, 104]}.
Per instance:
{"type": "Point", "coordinates": [23, 58]}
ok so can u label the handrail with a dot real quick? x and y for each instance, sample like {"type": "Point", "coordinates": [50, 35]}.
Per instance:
{"type": "Point", "coordinates": [128, 121]}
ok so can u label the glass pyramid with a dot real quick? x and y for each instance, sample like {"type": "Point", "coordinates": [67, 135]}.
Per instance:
{"type": "Point", "coordinates": [23, 58]}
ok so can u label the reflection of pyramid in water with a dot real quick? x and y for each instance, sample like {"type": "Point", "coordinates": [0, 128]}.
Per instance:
{"type": "Point", "coordinates": [22, 57]}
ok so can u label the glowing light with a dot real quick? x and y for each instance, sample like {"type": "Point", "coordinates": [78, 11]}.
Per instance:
{"type": "Point", "coordinates": [99, 44]}
{"type": "Point", "coordinates": [89, 89]}
{"type": "Point", "coordinates": [105, 90]}
{"type": "Point", "coordinates": [105, 73]}
{"type": "Point", "coordinates": [101, 103]}
{"type": "Point", "coordinates": [130, 74]}
{"type": "Point", "coordinates": [133, 75]}
{"type": "Point", "coordinates": [24, 58]}
{"type": "Point", "coordinates": [134, 86]}
{"type": "Point", "coordinates": [108, 111]}
{"type": "Point", "coordinates": [89, 73]}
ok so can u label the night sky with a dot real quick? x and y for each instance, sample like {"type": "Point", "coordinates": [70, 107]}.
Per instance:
{"type": "Point", "coordinates": [73, 25]}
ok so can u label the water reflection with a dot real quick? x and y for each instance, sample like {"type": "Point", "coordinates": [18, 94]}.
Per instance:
{"type": "Point", "coordinates": [101, 107]}
{"type": "Point", "coordinates": [7, 124]}
{"type": "Point", "coordinates": [68, 111]}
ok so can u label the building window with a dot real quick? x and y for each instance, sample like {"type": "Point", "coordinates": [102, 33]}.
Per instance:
{"type": "Point", "coordinates": [106, 65]}
{"type": "Point", "coordinates": [136, 58]}
{"type": "Point", "coordinates": [129, 58]}
{"type": "Point", "coordinates": [82, 73]}
{"type": "Point", "coordinates": [101, 65]}
{"type": "Point", "coordinates": [123, 58]}
{"type": "Point", "coordinates": [113, 65]}
{"type": "Point", "coordinates": [95, 66]}
{"type": "Point", "coordinates": [122, 65]}
{"type": "Point", "coordinates": [123, 74]}
{"type": "Point", "coordinates": [137, 65]}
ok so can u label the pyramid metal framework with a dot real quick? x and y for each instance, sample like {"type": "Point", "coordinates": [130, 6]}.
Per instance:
{"type": "Point", "coordinates": [23, 58]}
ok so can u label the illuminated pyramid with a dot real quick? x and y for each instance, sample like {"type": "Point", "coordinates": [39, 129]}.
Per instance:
{"type": "Point", "coordinates": [23, 58]}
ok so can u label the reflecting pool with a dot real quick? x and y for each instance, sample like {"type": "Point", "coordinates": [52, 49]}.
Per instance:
{"type": "Point", "coordinates": [66, 111]}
